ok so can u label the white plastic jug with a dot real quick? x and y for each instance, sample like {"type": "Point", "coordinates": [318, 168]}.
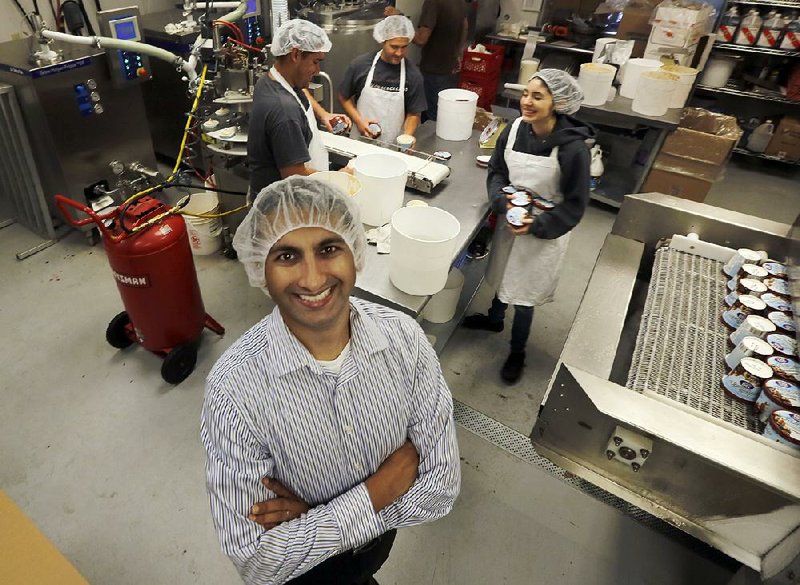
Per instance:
{"type": "Point", "coordinates": [759, 139]}
{"type": "Point", "coordinates": [771, 32]}
{"type": "Point", "coordinates": [791, 33]}
{"type": "Point", "coordinates": [748, 32]}
{"type": "Point", "coordinates": [729, 24]}
{"type": "Point", "coordinates": [383, 183]}
{"type": "Point", "coordinates": [423, 246]}
{"type": "Point", "coordinates": [456, 114]}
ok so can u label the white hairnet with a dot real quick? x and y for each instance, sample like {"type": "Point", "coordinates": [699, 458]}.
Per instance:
{"type": "Point", "coordinates": [290, 204]}
{"type": "Point", "coordinates": [299, 34]}
{"type": "Point", "coordinates": [393, 27]}
{"type": "Point", "coordinates": [567, 94]}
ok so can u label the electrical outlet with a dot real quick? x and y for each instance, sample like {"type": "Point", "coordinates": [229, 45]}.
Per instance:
{"type": "Point", "coordinates": [629, 448]}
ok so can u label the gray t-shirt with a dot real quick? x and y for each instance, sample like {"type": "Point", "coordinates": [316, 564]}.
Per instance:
{"type": "Point", "coordinates": [278, 134]}
{"type": "Point", "coordinates": [386, 77]}
{"type": "Point", "coordinates": [445, 18]}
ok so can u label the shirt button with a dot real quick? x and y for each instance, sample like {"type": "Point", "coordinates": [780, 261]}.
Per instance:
{"type": "Point", "coordinates": [357, 467]}
{"type": "Point", "coordinates": [348, 429]}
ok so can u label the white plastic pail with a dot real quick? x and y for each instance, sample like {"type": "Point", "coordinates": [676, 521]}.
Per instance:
{"type": "Point", "coordinates": [717, 71]}
{"type": "Point", "coordinates": [654, 92]}
{"type": "Point", "coordinates": [345, 182]}
{"type": "Point", "coordinates": [204, 232]}
{"type": "Point", "coordinates": [423, 244]}
{"type": "Point", "coordinates": [633, 71]}
{"type": "Point", "coordinates": [456, 114]}
{"type": "Point", "coordinates": [442, 306]}
{"type": "Point", "coordinates": [595, 81]}
{"type": "Point", "coordinates": [686, 76]}
{"type": "Point", "coordinates": [383, 183]}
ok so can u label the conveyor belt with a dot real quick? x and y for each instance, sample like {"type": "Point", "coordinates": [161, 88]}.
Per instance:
{"type": "Point", "coordinates": [682, 342]}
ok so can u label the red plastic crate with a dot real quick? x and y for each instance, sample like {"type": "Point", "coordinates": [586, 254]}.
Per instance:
{"type": "Point", "coordinates": [483, 64]}
{"type": "Point", "coordinates": [485, 88]}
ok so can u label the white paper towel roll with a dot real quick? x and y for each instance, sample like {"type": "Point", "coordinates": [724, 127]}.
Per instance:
{"type": "Point", "coordinates": [527, 68]}
{"type": "Point", "coordinates": [595, 81]}
{"type": "Point", "coordinates": [633, 70]}
{"type": "Point", "coordinates": [654, 92]}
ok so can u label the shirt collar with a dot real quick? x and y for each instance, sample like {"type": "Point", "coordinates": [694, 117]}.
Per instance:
{"type": "Point", "coordinates": [287, 354]}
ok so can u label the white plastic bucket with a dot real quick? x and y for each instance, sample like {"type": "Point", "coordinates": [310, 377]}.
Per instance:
{"type": "Point", "coordinates": [345, 182]}
{"type": "Point", "coordinates": [456, 114]}
{"type": "Point", "coordinates": [718, 71]}
{"type": "Point", "coordinates": [383, 183]}
{"type": "Point", "coordinates": [633, 71]}
{"type": "Point", "coordinates": [527, 68]}
{"type": "Point", "coordinates": [423, 245]}
{"type": "Point", "coordinates": [442, 306]}
{"type": "Point", "coordinates": [686, 76]}
{"type": "Point", "coordinates": [204, 232]}
{"type": "Point", "coordinates": [654, 92]}
{"type": "Point", "coordinates": [595, 81]}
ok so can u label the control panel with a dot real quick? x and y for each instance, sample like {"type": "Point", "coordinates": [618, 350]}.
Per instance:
{"type": "Point", "coordinates": [126, 66]}
{"type": "Point", "coordinates": [253, 27]}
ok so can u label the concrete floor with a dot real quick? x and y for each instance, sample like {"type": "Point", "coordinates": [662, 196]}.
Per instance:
{"type": "Point", "coordinates": [105, 457]}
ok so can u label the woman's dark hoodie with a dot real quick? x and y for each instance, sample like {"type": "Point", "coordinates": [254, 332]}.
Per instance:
{"type": "Point", "coordinates": [570, 136]}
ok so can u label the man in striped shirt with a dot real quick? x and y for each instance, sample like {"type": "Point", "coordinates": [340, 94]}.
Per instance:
{"type": "Point", "coordinates": [327, 425]}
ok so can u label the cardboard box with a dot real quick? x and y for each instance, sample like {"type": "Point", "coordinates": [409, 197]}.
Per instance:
{"type": "Point", "coordinates": [703, 136]}
{"type": "Point", "coordinates": [26, 556]}
{"type": "Point", "coordinates": [676, 36]}
{"type": "Point", "coordinates": [685, 166]}
{"type": "Point", "coordinates": [679, 55]}
{"type": "Point", "coordinates": [635, 23]}
{"type": "Point", "coordinates": [676, 184]}
{"type": "Point", "coordinates": [785, 141]}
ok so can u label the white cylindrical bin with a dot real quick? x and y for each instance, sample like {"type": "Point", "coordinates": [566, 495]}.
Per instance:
{"type": "Point", "coordinates": [442, 306]}
{"type": "Point", "coordinates": [633, 71]}
{"type": "Point", "coordinates": [345, 182]}
{"type": "Point", "coordinates": [718, 71]}
{"type": "Point", "coordinates": [654, 92]}
{"type": "Point", "coordinates": [527, 68]}
{"type": "Point", "coordinates": [456, 114]}
{"type": "Point", "coordinates": [383, 184]}
{"type": "Point", "coordinates": [204, 232]}
{"type": "Point", "coordinates": [595, 81]}
{"type": "Point", "coordinates": [686, 76]}
{"type": "Point", "coordinates": [423, 245]}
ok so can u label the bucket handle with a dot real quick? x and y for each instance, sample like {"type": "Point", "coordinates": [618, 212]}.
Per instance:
{"type": "Point", "coordinates": [64, 202]}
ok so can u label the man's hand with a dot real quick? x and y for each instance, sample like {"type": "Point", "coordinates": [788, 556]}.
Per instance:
{"type": "Point", "coordinates": [285, 507]}
{"type": "Point", "coordinates": [394, 477]}
{"type": "Point", "coordinates": [363, 128]}
{"type": "Point", "coordinates": [329, 120]}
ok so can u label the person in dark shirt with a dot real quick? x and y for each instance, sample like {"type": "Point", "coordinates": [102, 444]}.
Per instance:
{"type": "Point", "coordinates": [383, 88]}
{"type": "Point", "coordinates": [544, 152]}
{"type": "Point", "coordinates": [441, 32]}
{"type": "Point", "coordinates": [283, 138]}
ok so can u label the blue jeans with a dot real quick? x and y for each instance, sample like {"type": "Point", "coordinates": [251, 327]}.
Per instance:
{"type": "Point", "coordinates": [433, 85]}
{"type": "Point", "coordinates": [521, 326]}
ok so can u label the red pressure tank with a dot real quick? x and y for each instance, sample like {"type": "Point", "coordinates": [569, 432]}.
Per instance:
{"type": "Point", "coordinates": [155, 275]}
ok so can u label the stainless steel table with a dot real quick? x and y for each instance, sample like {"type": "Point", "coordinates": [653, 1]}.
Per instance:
{"type": "Point", "coordinates": [463, 194]}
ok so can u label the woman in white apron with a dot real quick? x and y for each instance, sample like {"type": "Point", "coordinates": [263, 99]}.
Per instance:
{"type": "Point", "coordinates": [545, 153]}
{"type": "Point", "coordinates": [380, 106]}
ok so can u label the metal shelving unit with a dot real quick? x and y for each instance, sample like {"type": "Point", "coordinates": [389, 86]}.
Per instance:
{"type": "Point", "coordinates": [773, 97]}
{"type": "Point", "coordinates": [777, 3]}
{"type": "Point", "coordinates": [758, 50]}
{"type": "Point", "coordinates": [763, 156]}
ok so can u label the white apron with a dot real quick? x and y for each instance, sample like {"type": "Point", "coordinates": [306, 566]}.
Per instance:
{"type": "Point", "coordinates": [316, 150]}
{"type": "Point", "coordinates": [524, 270]}
{"type": "Point", "coordinates": [388, 107]}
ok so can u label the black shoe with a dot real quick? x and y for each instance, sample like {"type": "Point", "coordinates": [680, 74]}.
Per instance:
{"type": "Point", "coordinates": [482, 322]}
{"type": "Point", "coordinates": [512, 369]}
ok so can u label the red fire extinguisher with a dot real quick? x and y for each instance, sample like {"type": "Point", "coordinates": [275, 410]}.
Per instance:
{"type": "Point", "coordinates": [151, 261]}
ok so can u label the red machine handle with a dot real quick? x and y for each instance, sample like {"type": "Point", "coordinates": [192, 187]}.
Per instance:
{"type": "Point", "coordinates": [63, 203]}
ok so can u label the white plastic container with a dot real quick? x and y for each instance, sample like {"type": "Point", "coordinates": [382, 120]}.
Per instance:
{"type": "Point", "coordinates": [748, 31]}
{"type": "Point", "coordinates": [345, 182]}
{"type": "Point", "coordinates": [654, 93]}
{"type": "Point", "coordinates": [791, 34]}
{"type": "Point", "coordinates": [730, 22]}
{"type": "Point", "coordinates": [456, 114]}
{"type": "Point", "coordinates": [748, 347]}
{"type": "Point", "coordinates": [777, 395]}
{"type": "Point", "coordinates": [383, 183]}
{"type": "Point", "coordinates": [783, 426]}
{"type": "Point", "coordinates": [527, 67]}
{"type": "Point", "coordinates": [633, 71]}
{"type": "Point", "coordinates": [759, 139]}
{"type": "Point", "coordinates": [423, 245]}
{"type": "Point", "coordinates": [718, 71]}
{"type": "Point", "coordinates": [595, 81]}
{"type": "Point", "coordinates": [442, 306]}
{"type": "Point", "coordinates": [741, 257]}
{"type": "Point", "coordinates": [686, 77]}
{"type": "Point", "coordinates": [755, 325]}
{"type": "Point", "coordinates": [204, 232]}
{"type": "Point", "coordinates": [771, 31]}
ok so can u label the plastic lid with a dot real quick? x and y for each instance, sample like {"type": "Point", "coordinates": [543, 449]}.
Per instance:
{"type": "Point", "coordinates": [752, 302]}
{"type": "Point", "coordinates": [783, 344]}
{"type": "Point", "coordinates": [782, 320]}
{"type": "Point", "coordinates": [760, 323]}
{"type": "Point", "coordinates": [515, 215]}
{"type": "Point", "coordinates": [785, 366]}
{"type": "Point", "coordinates": [749, 255]}
{"type": "Point", "coordinates": [787, 394]}
{"type": "Point", "coordinates": [775, 268]}
{"type": "Point", "coordinates": [521, 199]}
{"type": "Point", "coordinates": [773, 301]}
{"type": "Point", "coordinates": [754, 270]}
{"type": "Point", "coordinates": [753, 285]}
{"type": "Point", "coordinates": [757, 345]}
{"type": "Point", "coordinates": [787, 424]}
{"type": "Point", "coordinates": [777, 285]}
{"type": "Point", "coordinates": [757, 367]}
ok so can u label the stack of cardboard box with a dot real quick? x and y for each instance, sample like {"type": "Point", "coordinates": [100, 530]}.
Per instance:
{"type": "Point", "coordinates": [785, 142]}
{"type": "Point", "coordinates": [676, 30]}
{"type": "Point", "coordinates": [694, 155]}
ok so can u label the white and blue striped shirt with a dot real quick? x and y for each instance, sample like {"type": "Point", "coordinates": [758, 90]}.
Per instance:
{"type": "Point", "coordinates": [271, 410]}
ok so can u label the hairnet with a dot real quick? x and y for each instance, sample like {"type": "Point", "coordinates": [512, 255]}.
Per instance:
{"type": "Point", "coordinates": [393, 27]}
{"type": "Point", "coordinates": [299, 34]}
{"type": "Point", "coordinates": [290, 204]}
{"type": "Point", "coordinates": [567, 94]}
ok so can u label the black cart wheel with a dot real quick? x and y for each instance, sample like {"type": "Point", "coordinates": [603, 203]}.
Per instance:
{"type": "Point", "coordinates": [116, 335]}
{"type": "Point", "coordinates": [179, 363]}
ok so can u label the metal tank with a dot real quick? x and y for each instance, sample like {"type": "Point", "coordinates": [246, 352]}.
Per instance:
{"type": "Point", "coordinates": [349, 26]}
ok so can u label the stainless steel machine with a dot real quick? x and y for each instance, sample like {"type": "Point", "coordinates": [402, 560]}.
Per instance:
{"type": "Point", "coordinates": [636, 406]}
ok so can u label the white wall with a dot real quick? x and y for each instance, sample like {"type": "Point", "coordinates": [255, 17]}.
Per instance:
{"type": "Point", "coordinates": [12, 25]}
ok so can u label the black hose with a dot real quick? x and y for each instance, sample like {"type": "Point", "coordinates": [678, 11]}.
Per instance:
{"type": "Point", "coordinates": [97, 4]}
{"type": "Point", "coordinates": [203, 188]}
{"type": "Point", "coordinates": [25, 14]}
{"type": "Point", "coordinates": [36, 7]}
